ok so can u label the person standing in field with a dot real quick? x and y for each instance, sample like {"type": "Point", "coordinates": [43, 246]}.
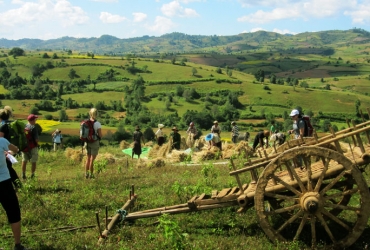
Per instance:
{"type": "Point", "coordinates": [298, 124]}
{"type": "Point", "coordinates": [31, 152]}
{"type": "Point", "coordinates": [234, 132]}
{"type": "Point", "coordinates": [8, 197]}
{"type": "Point", "coordinates": [92, 148]}
{"type": "Point", "coordinates": [216, 129]}
{"type": "Point", "coordinates": [159, 135]}
{"type": "Point", "coordinates": [138, 138]}
{"type": "Point", "coordinates": [176, 138]}
{"type": "Point", "coordinates": [57, 139]}
{"type": "Point", "coordinates": [272, 128]}
{"type": "Point", "coordinates": [192, 133]}
{"type": "Point", "coordinates": [5, 114]}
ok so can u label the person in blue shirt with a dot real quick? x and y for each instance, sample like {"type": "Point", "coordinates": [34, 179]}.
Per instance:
{"type": "Point", "coordinates": [8, 197]}
{"type": "Point", "coordinates": [57, 139]}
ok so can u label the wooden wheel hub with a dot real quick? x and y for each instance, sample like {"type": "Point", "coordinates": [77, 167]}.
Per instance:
{"type": "Point", "coordinates": [310, 202]}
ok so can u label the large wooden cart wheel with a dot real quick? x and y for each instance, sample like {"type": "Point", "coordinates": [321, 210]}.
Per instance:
{"type": "Point", "coordinates": [323, 194]}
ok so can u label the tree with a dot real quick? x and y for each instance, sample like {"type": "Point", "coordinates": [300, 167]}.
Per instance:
{"type": "Point", "coordinates": [357, 106]}
{"type": "Point", "coordinates": [55, 56]}
{"type": "Point", "coordinates": [17, 52]}
{"type": "Point", "coordinates": [72, 74]}
{"type": "Point", "coordinates": [63, 115]}
{"type": "Point", "coordinates": [218, 70]}
{"type": "Point", "coordinates": [259, 74]}
{"type": "Point", "coordinates": [173, 61]}
{"type": "Point", "coordinates": [194, 71]}
{"type": "Point", "coordinates": [230, 73]}
{"type": "Point", "coordinates": [45, 55]}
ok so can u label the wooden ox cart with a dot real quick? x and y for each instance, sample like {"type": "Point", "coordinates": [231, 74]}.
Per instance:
{"type": "Point", "coordinates": [310, 188]}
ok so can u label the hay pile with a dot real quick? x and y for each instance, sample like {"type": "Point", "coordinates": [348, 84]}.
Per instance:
{"type": "Point", "coordinates": [154, 151]}
{"type": "Point", "coordinates": [74, 154]}
{"type": "Point", "coordinates": [178, 156]}
{"type": "Point", "coordinates": [228, 150]}
{"type": "Point", "coordinates": [107, 156]}
{"type": "Point", "coordinates": [212, 154]}
{"type": "Point", "coordinates": [154, 163]}
{"type": "Point", "coordinates": [199, 143]}
{"type": "Point", "coordinates": [124, 144]}
{"type": "Point", "coordinates": [148, 144]}
{"type": "Point", "coordinates": [183, 143]}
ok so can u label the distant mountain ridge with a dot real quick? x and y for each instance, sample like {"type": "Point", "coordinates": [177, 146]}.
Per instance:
{"type": "Point", "coordinates": [179, 42]}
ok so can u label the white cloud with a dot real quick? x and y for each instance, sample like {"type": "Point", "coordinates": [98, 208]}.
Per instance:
{"type": "Point", "coordinates": [161, 25]}
{"type": "Point", "coordinates": [139, 17]}
{"type": "Point", "coordinates": [298, 10]}
{"type": "Point", "coordinates": [284, 31]}
{"type": "Point", "coordinates": [30, 13]}
{"type": "Point", "coordinates": [360, 15]}
{"type": "Point", "coordinates": [270, 3]}
{"type": "Point", "coordinates": [106, 17]}
{"type": "Point", "coordinates": [257, 29]}
{"type": "Point", "coordinates": [175, 9]}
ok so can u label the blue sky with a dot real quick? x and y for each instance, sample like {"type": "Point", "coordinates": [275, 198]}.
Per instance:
{"type": "Point", "coordinates": [49, 19]}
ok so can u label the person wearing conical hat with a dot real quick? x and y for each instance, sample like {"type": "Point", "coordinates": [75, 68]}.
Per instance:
{"type": "Point", "coordinates": [159, 135]}
{"type": "Point", "coordinates": [176, 138]}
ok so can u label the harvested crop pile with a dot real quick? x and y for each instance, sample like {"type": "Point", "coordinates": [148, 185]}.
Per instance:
{"type": "Point", "coordinates": [183, 143]}
{"type": "Point", "coordinates": [106, 156]}
{"type": "Point", "coordinates": [153, 153]}
{"type": "Point", "coordinates": [148, 144]}
{"type": "Point", "coordinates": [199, 143]}
{"type": "Point", "coordinates": [154, 163]}
{"type": "Point", "coordinates": [178, 156]}
{"type": "Point", "coordinates": [164, 150]}
{"type": "Point", "coordinates": [228, 150]}
{"type": "Point", "coordinates": [124, 144]}
{"type": "Point", "coordinates": [204, 155]}
{"type": "Point", "coordinates": [244, 147]}
{"type": "Point", "coordinates": [74, 154]}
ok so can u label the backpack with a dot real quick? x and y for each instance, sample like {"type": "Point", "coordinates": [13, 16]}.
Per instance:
{"type": "Point", "coordinates": [30, 140]}
{"type": "Point", "coordinates": [16, 134]}
{"type": "Point", "coordinates": [87, 131]}
{"type": "Point", "coordinates": [308, 129]}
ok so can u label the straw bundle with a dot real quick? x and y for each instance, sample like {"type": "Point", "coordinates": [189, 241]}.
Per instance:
{"type": "Point", "coordinates": [183, 143]}
{"type": "Point", "coordinates": [74, 154]}
{"type": "Point", "coordinates": [164, 150]}
{"type": "Point", "coordinates": [124, 144]}
{"type": "Point", "coordinates": [107, 156]}
{"type": "Point", "coordinates": [148, 144]}
{"type": "Point", "coordinates": [228, 150]}
{"type": "Point", "coordinates": [153, 152]}
{"type": "Point", "coordinates": [204, 155]}
{"type": "Point", "coordinates": [178, 156]}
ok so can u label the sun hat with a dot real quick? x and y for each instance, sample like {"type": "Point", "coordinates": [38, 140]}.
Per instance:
{"type": "Point", "coordinates": [209, 137]}
{"type": "Point", "coordinates": [32, 117]}
{"type": "Point", "coordinates": [233, 122]}
{"type": "Point", "coordinates": [57, 131]}
{"type": "Point", "coordinates": [191, 124]}
{"type": "Point", "coordinates": [137, 128]}
{"type": "Point", "coordinates": [160, 126]}
{"type": "Point", "coordinates": [294, 112]}
{"type": "Point", "coordinates": [215, 122]}
{"type": "Point", "coordinates": [175, 129]}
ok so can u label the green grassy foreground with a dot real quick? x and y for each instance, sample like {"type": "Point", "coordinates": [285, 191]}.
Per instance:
{"type": "Point", "coordinates": [61, 199]}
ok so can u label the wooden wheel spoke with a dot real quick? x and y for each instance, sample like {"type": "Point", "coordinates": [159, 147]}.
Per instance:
{"type": "Point", "coordinates": [313, 232]}
{"type": "Point", "coordinates": [280, 196]}
{"type": "Point", "coordinates": [325, 225]}
{"type": "Point", "coordinates": [336, 219]}
{"type": "Point", "coordinates": [342, 207]}
{"type": "Point", "coordinates": [307, 163]}
{"type": "Point", "coordinates": [341, 194]}
{"type": "Point", "coordinates": [321, 179]}
{"type": "Point", "coordinates": [291, 219]}
{"type": "Point", "coordinates": [289, 187]}
{"type": "Point", "coordinates": [297, 178]}
{"type": "Point", "coordinates": [301, 225]}
{"type": "Point", "coordinates": [283, 210]}
{"type": "Point", "coordinates": [332, 183]}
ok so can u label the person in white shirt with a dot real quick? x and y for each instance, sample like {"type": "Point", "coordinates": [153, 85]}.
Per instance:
{"type": "Point", "coordinates": [159, 135]}
{"type": "Point", "coordinates": [57, 139]}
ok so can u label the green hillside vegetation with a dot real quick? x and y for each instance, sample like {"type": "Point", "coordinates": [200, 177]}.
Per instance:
{"type": "Point", "coordinates": [259, 75]}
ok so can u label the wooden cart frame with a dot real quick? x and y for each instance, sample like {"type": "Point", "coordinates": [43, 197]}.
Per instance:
{"type": "Point", "coordinates": [308, 188]}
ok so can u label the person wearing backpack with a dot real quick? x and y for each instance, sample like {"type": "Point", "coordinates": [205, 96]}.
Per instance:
{"type": "Point", "coordinates": [5, 114]}
{"type": "Point", "coordinates": [298, 124]}
{"type": "Point", "coordinates": [30, 153]}
{"type": "Point", "coordinates": [92, 146]}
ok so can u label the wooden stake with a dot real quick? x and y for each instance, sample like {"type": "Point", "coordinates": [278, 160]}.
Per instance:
{"type": "Point", "coordinates": [106, 217]}
{"type": "Point", "coordinates": [97, 220]}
